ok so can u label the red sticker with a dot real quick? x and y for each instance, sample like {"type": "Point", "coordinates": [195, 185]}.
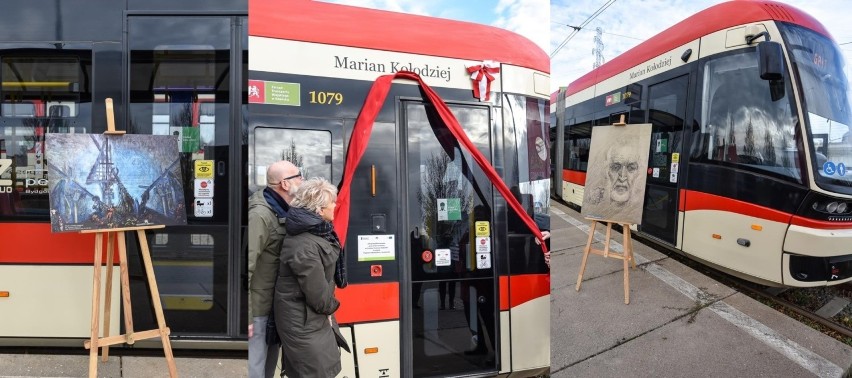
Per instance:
{"type": "Point", "coordinates": [650, 171]}
{"type": "Point", "coordinates": [427, 256]}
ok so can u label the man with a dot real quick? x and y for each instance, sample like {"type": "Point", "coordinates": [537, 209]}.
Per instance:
{"type": "Point", "coordinates": [267, 211]}
{"type": "Point", "coordinates": [621, 172]}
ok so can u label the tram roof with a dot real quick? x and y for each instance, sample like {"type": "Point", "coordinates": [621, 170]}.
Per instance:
{"type": "Point", "coordinates": [713, 19]}
{"type": "Point", "coordinates": [334, 24]}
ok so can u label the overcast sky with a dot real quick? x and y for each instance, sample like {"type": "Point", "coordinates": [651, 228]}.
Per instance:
{"type": "Point", "coordinates": [626, 23]}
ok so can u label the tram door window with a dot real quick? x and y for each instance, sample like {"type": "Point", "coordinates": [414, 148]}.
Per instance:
{"type": "Point", "coordinates": [43, 91]}
{"type": "Point", "coordinates": [179, 75]}
{"type": "Point", "coordinates": [310, 150]}
{"type": "Point", "coordinates": [666, 113]}
{"type": "Point", "coordinates": [453, 307]}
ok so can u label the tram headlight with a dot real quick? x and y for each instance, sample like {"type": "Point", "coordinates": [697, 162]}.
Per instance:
{"type": "Point", "coordinates": [841, 208]}
{"type": "Point", "coordinates": [831, 207]}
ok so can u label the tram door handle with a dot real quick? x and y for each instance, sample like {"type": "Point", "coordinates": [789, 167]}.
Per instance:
{"type": "Point", "coordinates": [220, 168]}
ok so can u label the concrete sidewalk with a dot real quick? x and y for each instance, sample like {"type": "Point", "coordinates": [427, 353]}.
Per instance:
{"type": "Point", "coordinates": [679, 322]}
{"type": "Point", "coordinates": [58, 365]}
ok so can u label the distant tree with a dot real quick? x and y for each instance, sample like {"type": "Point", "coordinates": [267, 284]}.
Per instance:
{"type": "Point", "coordinates": [290, 154]}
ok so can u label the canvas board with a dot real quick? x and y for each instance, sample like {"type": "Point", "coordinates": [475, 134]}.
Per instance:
{"type": "Point", "coordinates": [618, 168]}
{"type": "Point", "coordinates": [98, 181]}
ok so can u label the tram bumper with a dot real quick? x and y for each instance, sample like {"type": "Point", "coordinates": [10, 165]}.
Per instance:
{"type": "Point", "coordinates": [817, 257]}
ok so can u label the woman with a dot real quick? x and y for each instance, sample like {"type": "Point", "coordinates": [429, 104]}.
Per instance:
{"type": "Point", "coordinates": [304, 292]}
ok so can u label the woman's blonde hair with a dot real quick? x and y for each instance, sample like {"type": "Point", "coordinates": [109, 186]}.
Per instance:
{"type": "Point", "coordinates": [314, 194]}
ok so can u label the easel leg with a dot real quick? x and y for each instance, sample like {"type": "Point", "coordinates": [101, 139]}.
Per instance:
{"type": "Point", "coordinates": [586, 254]}
{"type": "Point", "coordinates": [96, 302]}
{"type": "Point", "coordinates": [110, 256]}
{"type": "Point", "coordinates": [155, 299]}
{"type": "Point", "coordinates": [627, 257]}
{"type": "Point", "coordinates": [125, 287]}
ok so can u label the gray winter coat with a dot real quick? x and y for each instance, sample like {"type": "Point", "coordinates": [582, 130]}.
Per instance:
{"type": "Point", "coordinates": [304, 300]}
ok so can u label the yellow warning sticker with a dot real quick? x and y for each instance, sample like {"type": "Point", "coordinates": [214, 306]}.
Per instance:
{"type": "Point", "coordinates": [204, 169]}
{"type": "Point", "coordinates": [482, 228]}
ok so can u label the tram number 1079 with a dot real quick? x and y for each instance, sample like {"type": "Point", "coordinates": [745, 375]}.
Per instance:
{"type": "Point", "coordinates": [326, 98]}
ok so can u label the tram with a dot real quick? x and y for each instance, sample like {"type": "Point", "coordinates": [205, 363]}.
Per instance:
{"type": "Point", "coordinates": [750, 143]}
{"type": "Point", "coordinates": [170, 68]}
{"type": "Point", "coordinates": [444, 279]}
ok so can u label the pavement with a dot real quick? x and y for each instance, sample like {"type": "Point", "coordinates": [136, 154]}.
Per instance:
{"type": "Point", "coordinates": [59, 365]}
{"type": "Point", "coordinates": [679, 322]}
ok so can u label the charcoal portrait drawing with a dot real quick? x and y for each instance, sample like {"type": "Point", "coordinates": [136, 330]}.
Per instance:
{"type": "Point", "coordinates": [615, 181]}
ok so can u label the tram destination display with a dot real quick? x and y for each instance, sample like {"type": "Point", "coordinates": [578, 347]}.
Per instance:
{"type": "Point", "coordinates": [100, 181]}
{"type": "Point", "coordinates": [615, 182]}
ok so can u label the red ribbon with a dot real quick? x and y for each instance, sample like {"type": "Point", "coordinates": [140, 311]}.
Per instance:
{"type": "Point", "coordinates": [361, 136]}
{"type": "Point", "coordinates": [479, 73]}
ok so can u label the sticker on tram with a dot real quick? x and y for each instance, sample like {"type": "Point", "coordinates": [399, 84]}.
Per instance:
{"type": "Point", "coordinates": [275, 93]}
{"type": "Point", "coordinates": [203, 169]}
{"type": "Point", "coordinates": [376, 247]}
{"type": "Point", "coordinates": [203, 207]}
{"type": "Point", "coordinates": [829, 168]}
{"type": "Point", "coordinates": [449, 209]}
{"type": "Point", "coordinates": [675, 157]}
{"type": "Point", "coordinates": [483, 228]}
{"type": "Point", "coordinates": [841, 169]}
{"type": "Point", "coordinates": [442, 257]}
{"type": "Point", "coordinates": [5, 167]}
{"type": "Point", "coordinates": [483, 261]}
{"type": "Point", "coordinates": [483, 244]}
{"type": "Point", "coordinates": [203, 188]}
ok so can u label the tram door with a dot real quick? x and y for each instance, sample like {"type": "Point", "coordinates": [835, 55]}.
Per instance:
{"type": "Point", "coordinates": [666, 112]}
{"type": "Point", "coordinates": [184, 81]}
{"type": "Point", "coordinates": [452, 307]}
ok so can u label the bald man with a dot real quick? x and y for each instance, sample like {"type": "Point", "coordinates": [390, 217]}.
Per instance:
{"type": "Point", "coordinates": [267, 211]}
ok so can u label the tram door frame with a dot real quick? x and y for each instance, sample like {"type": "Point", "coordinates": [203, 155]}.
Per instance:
{"type": "Point", "coordinates": [412, 259]}
{"type": "Point", "coordinates": [227, 257]}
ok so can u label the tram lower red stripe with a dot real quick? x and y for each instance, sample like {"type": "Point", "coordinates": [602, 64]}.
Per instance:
{"type": "Point", "coordinates": [368, 302]}
{"type": "Point", "coordinates": [574, 177]}
{"type": "Point", "coordinates": [33, 243]}
{"type": "Point", "coordinates": [517, 290]}
{"type": "Point", "coordinates": [704, 201]}
{"type": "Point", "coordinates": [823, 225]}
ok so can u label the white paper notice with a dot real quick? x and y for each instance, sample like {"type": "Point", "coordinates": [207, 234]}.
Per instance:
{"type": "Point", "coordinates": [483, 261]}
{"type": "Point", "coordinates": [442, 257]}
{"type": "Point", "coordinates": [203, 188]}
{"type": "Point", "coordinates": [442, 209]}
{"type": "Point", "coordinates": [673, 177]}
{"type": "Point", "coordinates": [203, 207]}
{"type": "Point", "coordinates": [656, 172]}
{"type": "Point", "coordinates": [483, 244]}
{"type": "Point", "coordinates": [376, 247]}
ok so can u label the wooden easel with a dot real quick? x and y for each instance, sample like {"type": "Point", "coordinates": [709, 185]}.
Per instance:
{"type": "Point", "coordinates": [116, 238]}
{"type": "Point", "coordinates": [626, 255]}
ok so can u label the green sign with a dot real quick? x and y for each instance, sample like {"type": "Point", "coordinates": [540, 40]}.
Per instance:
{"type": "Point", "coordinates": [190, 139]}
{"type": "Point", "coordinates": [283, 93]}
{"type": "Point", "coordinates": [453, 209]}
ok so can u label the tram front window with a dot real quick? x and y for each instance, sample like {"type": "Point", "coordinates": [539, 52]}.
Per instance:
{"type": "Point", "coordinates": [820, 67]}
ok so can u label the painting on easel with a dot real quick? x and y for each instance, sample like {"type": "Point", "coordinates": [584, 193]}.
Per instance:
{"type": "Point", "coordinates": [615, 182]}
{"type": "Point", "coordinates": [113, 181]}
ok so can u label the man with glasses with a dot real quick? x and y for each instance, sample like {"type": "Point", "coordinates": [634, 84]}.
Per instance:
{"type": "Point", "coordinates": [267, 212]}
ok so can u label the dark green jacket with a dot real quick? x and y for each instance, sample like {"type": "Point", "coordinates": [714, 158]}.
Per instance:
{"type": "Point", "coordinates": [304, 301]}
{"type": "Point", "coordinates": [265, 233]}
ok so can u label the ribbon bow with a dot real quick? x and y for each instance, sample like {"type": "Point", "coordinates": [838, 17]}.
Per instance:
{"type": "Point", "coordinates": [481, 76]}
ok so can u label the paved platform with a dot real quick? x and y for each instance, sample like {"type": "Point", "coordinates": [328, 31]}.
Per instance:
{"type": "Point", "coordinates": [679, 323]}
{"type": "Point", "coordinates": [57, 365]}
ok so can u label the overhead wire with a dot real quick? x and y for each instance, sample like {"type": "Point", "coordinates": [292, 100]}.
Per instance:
{"type": "Point", "coordinates": [581, 26]}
